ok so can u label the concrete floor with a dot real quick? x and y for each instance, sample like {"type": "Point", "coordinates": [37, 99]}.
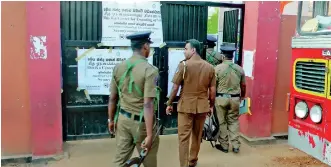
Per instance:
{"type": "Point", "coordinates": [99, 153]}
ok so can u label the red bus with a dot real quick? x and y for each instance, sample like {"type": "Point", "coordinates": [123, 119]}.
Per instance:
{"type": "Point", "coordinates": [309, 104]}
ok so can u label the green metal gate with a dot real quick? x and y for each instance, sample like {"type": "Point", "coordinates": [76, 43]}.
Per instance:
{"type": "Point", "coordinates": [81, 27]}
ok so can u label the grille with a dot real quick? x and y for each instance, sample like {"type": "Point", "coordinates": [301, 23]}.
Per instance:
{"type": "Point", "coordinates": [310, 76]}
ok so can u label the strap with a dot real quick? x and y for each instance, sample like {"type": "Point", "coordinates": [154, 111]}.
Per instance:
{"type": "Point", "coordinates": [211, 56]}
{"type": "Point", "coordinates": [228, 70]}
{"type": "Point", "coordinates": [130, 66]}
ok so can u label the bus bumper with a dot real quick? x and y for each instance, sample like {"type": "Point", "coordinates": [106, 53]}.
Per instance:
{"type": "Point", "coordinates": [314, 145]}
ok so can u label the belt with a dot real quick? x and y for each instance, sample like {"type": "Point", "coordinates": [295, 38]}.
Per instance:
{"type": "Point", "coordinates": [227, 95]}
{"type": "Point", "coordinates": [129, 115]}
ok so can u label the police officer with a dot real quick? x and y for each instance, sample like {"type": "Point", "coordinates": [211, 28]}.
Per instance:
{"type": "Point", "coordinates": [133, 85]}
{"type": "Point", "coordinates": [196, 77]}
{"type": "Point", "coordinates": [231, 89]}
{"type": "Point", "coordinates": [212, 57]}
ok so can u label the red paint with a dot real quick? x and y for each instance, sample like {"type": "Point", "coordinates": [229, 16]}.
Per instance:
{"type": "Point", "coordinates": [261, 19]}
{"type": "Point", "coordinates": [44, 78]}
{"type": "Point", "coordinates": [311, 141]}
{"type": "Point", "coordinates": [15, 101]}
{"type": "Point", "coordinates": [300, 133]}
{"type": "Point", "coordinates": [321, 130]}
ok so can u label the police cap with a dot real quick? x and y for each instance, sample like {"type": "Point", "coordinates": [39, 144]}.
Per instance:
{"type": "Point", "coordinates": [227, 51]}
{"type": "Point", "coordinates": [142, 36]}
{"type": "Point", "coordinates": [211, 39]}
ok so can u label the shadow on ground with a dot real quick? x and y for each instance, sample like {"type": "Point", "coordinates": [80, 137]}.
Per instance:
{"type": "Point", "coordinates": [99, 153]}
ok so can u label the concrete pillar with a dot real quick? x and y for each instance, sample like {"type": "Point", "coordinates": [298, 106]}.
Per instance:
{"type": "Point", "coordinates": [44, 52]}
{"type": "Point", "coordinates": [261, 35]}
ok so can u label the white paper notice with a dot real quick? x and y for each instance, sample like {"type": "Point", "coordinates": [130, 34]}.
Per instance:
{"type": "Point", "coordinates": [174, 57]}
{"type": "Point", "coordinates": [96, 68]}
{"type": "Point", "coordinates": [122, 18]}
{"type": "Point", "coordinates": [248, 63]}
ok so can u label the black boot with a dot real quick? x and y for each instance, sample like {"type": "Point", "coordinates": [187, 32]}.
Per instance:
{"type": "Point", "coordinates": [219, 147]}
{"type": "Point", "coordinates": [235, 150]}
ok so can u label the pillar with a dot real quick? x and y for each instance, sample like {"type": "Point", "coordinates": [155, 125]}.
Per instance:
{"type": "Point", "coordinates": [261, 35]}
{"type": "Point", "coordinates": [43, 53]}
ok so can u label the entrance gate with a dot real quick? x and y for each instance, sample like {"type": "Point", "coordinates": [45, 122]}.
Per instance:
{"type": "Point", "coordinates": [81, 27]}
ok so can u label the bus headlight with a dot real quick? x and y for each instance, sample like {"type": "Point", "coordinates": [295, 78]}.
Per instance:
{"type": "Point", "coordinates": [301, 110]}
{"type": "Point", "coordinates": [316, 114]}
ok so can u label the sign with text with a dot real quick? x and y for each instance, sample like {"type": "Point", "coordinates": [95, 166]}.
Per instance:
{"type": "Point", "coordinates": [120, 19]}
{"type": "Point", "coordinates": [95, 69]}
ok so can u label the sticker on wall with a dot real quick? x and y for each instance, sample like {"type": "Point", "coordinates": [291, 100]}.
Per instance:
{"type": "Point", "coordinates": [38, 48]}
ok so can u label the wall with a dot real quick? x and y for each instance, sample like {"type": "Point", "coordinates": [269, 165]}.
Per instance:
{"type": "Point", "coordinates": [15, 105]}
{"type": "Point", "coordinates": [260, 20]}
{"type": "Point", "coordinates": [283, 76]}
{"type": "Point", "coordinates": [31, 91]}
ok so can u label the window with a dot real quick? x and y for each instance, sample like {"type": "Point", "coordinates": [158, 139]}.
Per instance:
{"type": "Point", "coordinates": [314, 18]}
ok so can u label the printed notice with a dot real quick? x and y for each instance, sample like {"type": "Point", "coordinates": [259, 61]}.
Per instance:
{"type": "Point", "coordinates": [248, 63]}
{"type": "Point", "coordinates": [95, 69]}
{"type": "Point", "coordinates": [120, 19]}
{"type": "Point", "coordinates": [175, 56]}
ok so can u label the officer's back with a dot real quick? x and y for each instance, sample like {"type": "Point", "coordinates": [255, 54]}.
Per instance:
{"type": "Point", "coordinates": [230, 77]}
{"type": "Point", "coordinates": [195, 79]}
{"type": "Point", "coordinates": [133, 101]}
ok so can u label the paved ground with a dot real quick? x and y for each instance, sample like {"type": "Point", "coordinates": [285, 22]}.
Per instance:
{"type": "Point", "coordinates": [99, 153]}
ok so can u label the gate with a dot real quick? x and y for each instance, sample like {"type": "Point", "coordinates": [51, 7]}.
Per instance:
{"type": "Point", "coordinates": [230, 23]}
{"type": "Point", "coordinates": [81, 27]}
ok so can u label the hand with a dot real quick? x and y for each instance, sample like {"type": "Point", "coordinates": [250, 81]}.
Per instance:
{"type": "Point", "coordinates": [147, 143]}
{"type": "Point", "coordinates": [169, 110]}
{"type": "Point", "coordinates": [111, 127]}
{"type": "Point", "coordinates": [211, 111]}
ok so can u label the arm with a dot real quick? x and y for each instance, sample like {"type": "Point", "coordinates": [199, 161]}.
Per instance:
{"type": "Point", "coordinates": [212, 90]}
{"type": "Point", "coordinates": [113, 98]}
{"type": "Point", "coordinates": [177, 80]}
{"type": "Point", "coordinates": [151, 78]}
{"type": "Point", "coordinates": [243, 86]}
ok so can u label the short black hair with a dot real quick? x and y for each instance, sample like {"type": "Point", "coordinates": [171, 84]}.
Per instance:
{"type": "Point", "coordinates": [137, 45]}
{"type": "Point", "coordinates": [195, 44]}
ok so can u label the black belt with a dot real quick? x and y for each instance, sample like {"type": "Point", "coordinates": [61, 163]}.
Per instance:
{"type": "Point", "coordinates": [129, 115]}
{"type": "Point", "coordinates": [227, 95]}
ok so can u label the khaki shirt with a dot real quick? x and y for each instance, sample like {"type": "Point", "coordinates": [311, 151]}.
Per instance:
{"type": "Point", "coordinates": [145, 77]}
{"type": "Point", "coordinates": [198, 78]}
{"type": "Point", "coordinates": [229, 83]}
{"type": "Point", "coordinates": [213, 59]}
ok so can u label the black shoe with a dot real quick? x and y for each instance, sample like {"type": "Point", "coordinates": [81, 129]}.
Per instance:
{"type": "Point", "coordinates": [235, 150]}
{"type": "Point", "coordinates": [192, 165]}
{"type": "Point", "coordinates": [219, 147]}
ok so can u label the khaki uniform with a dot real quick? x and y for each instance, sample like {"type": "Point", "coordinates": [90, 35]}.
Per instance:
{"type": "Point", "coordinates": [195, 77]}
{"type": "Point", "coordinates": [145, 78]}
{"type": "Point", "coordinates": [229, 78]}
{"type": "Point", "coordinates": [213, 57]}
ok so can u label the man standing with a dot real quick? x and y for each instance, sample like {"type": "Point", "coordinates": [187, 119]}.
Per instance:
{"type": "Point", "coordinates": [231, 89]}
{"type": "Point", "coordinates": [196, 77]}
{"type": "Point", "coordinates": [134, 87]}
{"type": "Point", "coordinates": [212, 57]}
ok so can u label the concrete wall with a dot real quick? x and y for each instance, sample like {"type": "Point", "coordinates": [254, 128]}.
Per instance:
{"type": "Point", "coordinates": [283, 75]}
{"type": "Point", "coordinates": [31, 91]}
{"type": "Point", "coordinates": [15, 100]}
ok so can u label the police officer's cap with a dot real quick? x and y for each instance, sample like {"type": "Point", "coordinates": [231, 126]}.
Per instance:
{"type": "Point", "coordinates": [227, 50]}
{"type": "Point", "coordinates": [142, 36]}
{"type": "Point", "coordinates": [211, 39]}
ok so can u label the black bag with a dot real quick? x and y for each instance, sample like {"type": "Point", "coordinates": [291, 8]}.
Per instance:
{"type": "Point", "coordinates": [211, 129]}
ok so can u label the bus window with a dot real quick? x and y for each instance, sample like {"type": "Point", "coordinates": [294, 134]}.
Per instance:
{"type": "Point", "coordinates": [314, 18]}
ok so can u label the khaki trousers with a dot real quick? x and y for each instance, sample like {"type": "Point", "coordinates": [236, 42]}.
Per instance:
{"type": "Point", "coordinates": [125, 133]}
{"type": "Point", "coordinates": [189, 126]}
{"type": "Point", "coordinates": [228, 113]}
